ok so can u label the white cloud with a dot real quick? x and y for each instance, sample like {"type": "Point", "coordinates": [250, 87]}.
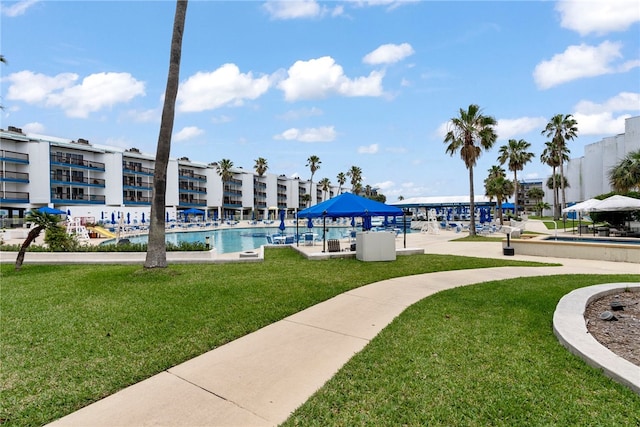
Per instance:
{"type": "Point", "coordinates": [624, 101]}
{"type": "Point", "coordinates": [388, 54]}
{"type": "Point", "coordinates": [580, 61]}
{"type": "Point", "coordinates": [226, 85]}
{"type": "Point", "coordinates": [368, 149]}
{"type": "Point", "coordinates": [18, 8]}
{"type": "Point", "coordinates": [385, 185]}
{"type": "Point", "coordinates": [299, 9]}
{"type": "Point", "coordinates": [510, 128]}
{"type": "Point", "coordinates": [33, 127]}
{"type": "Point", "coordinates": [187, 132]}
{"type": "Point", "coordinates": [598, 17]}
{"type": "Point", "coordinates": [600, 123]}
{"type": "Point", "coordinates": [321, 134]}
{"type": "Point", "coordinates": [95, 92]}
{"type": "Point", "coordinates": [145, 116]}
{"type": "Point", "coordinates": [301, 113]}
{"type": "Point", "coordinates": [318, 78]}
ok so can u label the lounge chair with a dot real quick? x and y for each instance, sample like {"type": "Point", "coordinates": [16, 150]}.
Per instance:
{"type": "Point", "coordinates": [333, 245]}
{"type": "Point", "coordinates": [289, 240]}
{"type": "Point", "coordinates": [308, 239]}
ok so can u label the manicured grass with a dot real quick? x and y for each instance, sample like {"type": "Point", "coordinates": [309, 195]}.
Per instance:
{"type": "Point", "coordinates": [482, 355]}
{"type": "Point", "coordinates": [72, 334]}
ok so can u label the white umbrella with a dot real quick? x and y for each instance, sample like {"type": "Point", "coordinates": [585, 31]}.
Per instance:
{"type": "Point", "coordinates": [582, 206]}
{"type": "Point", "coordinates": [616, 203]}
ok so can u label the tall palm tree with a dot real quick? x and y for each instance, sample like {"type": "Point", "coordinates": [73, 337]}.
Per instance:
{"type": "Point", "coordinates": [261, 166]}
{"type": "Point", "coordinates": [325, 184]}
{"type": "Point", "coordinates": [562, 129]}
{"type": "Point", "coordinates": [497, 185]}
{"type": "Point", "coordinates": [552, 156]}
{"type": "Point", "coordinates": [224, 171]}
{"type": "Point", "coordinates": [536, 194]}
{"type": "Point", "coordinates": [553, 183]}
{"type": "Point", "coordinates": [41, 221]}
{"type": "Point", "coordinates": [625, 176]}
{"type": "Point", "coordinates": [515, 154]}
{"type": "Point", "coordinates": [355, 173]}
{"type": "Point", "coordinates": [156, 248]}
{"type": "Point", "coordinates": [465, 131]}
{"type": "Point", "coordinates": [342, 178]}
{"type": "Point", "coordinates": [313, 163]}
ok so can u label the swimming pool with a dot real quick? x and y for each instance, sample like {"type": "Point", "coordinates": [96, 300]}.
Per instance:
{"type": "Point", "coordinates": [241, 239]}
{"type": "Point", "coordinates": [605, 240]}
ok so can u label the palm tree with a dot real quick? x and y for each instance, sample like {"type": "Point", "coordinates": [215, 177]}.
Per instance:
{"type": "Point", "coordinates": [41, 221]}
{"type": "Point", "coordinates": [325, 184]}
{"type": "Point", "coordinates": [552, 156]}
{"type": "Point", "coordinates": [497, 185]}
{"type": "Point", "coordinates": [515, 154]}
{"type": "Point", "coordinates": [561, 128]}
{"type": "Point", "coordinates": [313, 163]}
{"type": "Point", "coordinates": [355, 173]}
{"type": "Point", "coordinates": [306, 199]}
{"type": "Point", "coordinates": [401, 197]}
{"type": "Point", "coordinates": [540, 206]}
{"type": "Point", "coordinates": [342, 178]}
{"type": "Point", "coordinates": [156, 248]}
{"type": "Point", "coordinates": [553, 183]}
{"type": "Point", "coordinates": [465, 131]}
{"type": "Point", "coordinates": [224, 171]}
{"type": "Point", "coordinates": [261, 166]}
{"type": "Point", "coordinates": [536, 193]}
{"type": "Point", "coordinates": [625, 176]}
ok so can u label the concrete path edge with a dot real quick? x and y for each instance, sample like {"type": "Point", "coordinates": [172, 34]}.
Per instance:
{"type": "Point", "coordinates": [570, 328]}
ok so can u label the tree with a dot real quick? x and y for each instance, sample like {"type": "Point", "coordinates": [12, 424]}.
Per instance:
{"type": "Point", "coordinates": [625, 176]}
{"type": "Point", "coordinates": [156, 248]}
{"type": "Point", "coordinates": [553, 183]}
{"type": "Point", "coordinates": [306, 199]}
{"type": "Point", "coordinates": [465, 131]}
{"type": "Point", "coordinates": [515, 154]}
{"type": "Point", "coordinates": [325, 184]}
{"type": "Point", "coordinates": [224, 167]}
{"type": "Point", "coordinates": [261, 166]}
{"type": "Point", "coordinates": [401, 197]}
{"type": "Point", "coordinates": [41, 221]}
{"type": "Point", "coordinates": [552, 156]}
{"type": "Point", "coordinates": [561, 128]}
{"type": "Point", "coordinates": [342, 178]}
{"type": "Point", "coordinates": [355, 173]}
{"type": "Point", "coordinates": [497, 185]}
{"type": "Point", "coordinates": [540, 206]}
{"type": "Point", "coordinates": [313, 163]}
{"type": "Point", "coordinates": [536, 193]}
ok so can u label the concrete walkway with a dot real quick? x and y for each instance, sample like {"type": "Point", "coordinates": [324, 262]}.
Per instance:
{"type": "Point", "coordinates": [259, 379]}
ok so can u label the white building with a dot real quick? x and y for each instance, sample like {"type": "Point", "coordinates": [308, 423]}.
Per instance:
{"type": "Point", "coordinates": [588, 176]}
{"type": "Point", "coordinates": [98, 182]}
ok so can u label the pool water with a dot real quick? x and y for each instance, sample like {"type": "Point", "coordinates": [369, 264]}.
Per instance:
{"type": "Point", "coordinates": [242, 239]}
{"type": "Point", "coordinates": [594, 240]}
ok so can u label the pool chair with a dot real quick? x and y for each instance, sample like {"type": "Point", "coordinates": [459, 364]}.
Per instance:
{"type": "Point", "coordinates": [333, 245]}
{"type": "Point", "coordinates": [308, 239]}
{"type": "Point", "coordinates": [269, 240]}
{"type": "Point", "coordinates": [289, 240]}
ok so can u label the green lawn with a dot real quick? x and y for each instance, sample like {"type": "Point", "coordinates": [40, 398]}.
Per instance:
{"type": "Point", "coordinates": [72, 334]}
{"type": "Point", "coordinates": [482, 355]}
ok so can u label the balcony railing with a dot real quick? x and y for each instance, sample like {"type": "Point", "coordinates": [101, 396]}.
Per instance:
{"type": "Point", "coordinates": [7, 155]}
{"type": "Point", "coordinates": [88, 198]}
{"type": "Point", "coordinates": [136, 169]}
{"type": "Point", "coordinates": [140, 199]}
{"type": "Point", "coordinates": [189, 174]}
{"type": "Point", "coordinates": [91, 164]}
{"type": "Point", "coordinates": [78, 180]}
{"type": "Point", "coordinates": [14, 176]}
{"type": "Point", "coordinates": [14, 196]}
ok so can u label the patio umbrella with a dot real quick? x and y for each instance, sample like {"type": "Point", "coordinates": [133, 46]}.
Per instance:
{"type": "Point", "coordinates": [366, 223]}
{"type": "Point", "coordinates": [616, 203]}
{"type": "Point", "coordinates": [282, 226]}
{"type": "Point", "coordinates": [51, 211]}
{"type": "Point", "coordinates": [113, 218]}
{"type": "Point", "coordinates": [143, 221]}
{"type": "Point", "coordinates": [128, 218]}
{"type": "Point", "coordinates": [309, 223]}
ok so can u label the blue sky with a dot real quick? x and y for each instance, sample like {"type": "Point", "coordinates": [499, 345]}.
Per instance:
{"type": "Point", "coordinates": [365, 83]}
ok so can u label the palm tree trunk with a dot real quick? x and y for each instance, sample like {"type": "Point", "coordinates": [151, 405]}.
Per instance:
{"type": "Point", "coordinates": [472, 204]}
{"type": "Point", "coordinates": [555, 196]}
{"type": "Point", "coordinates": [515, 194]}
{"type": "Point", "coordinates": [33, 235]}
{"type": "Point", "coordinates": [156, 248]}
{"type": "Point", "coordinates": [564, 199]}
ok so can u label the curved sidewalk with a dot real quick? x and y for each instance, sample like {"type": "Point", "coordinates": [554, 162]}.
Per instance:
{"type": "Point", "coordinates": [259, 379]}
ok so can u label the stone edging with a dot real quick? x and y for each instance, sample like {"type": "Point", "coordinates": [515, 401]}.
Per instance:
{"type": "Point", "coordinates": [571, 330]}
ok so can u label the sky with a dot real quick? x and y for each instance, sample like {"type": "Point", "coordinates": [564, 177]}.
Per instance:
{"type": "Point", "coordinates": [367, 83]}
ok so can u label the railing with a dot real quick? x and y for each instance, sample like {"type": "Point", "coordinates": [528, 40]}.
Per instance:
{"type": "Point", "coordinates": [12, 155]}
{"type": "Point", "coordinates": [136, 168]}
{"type": "Point", "coordinates": [14, 195]}
{"type": "Point", "coordinates": [78, 180]}
{"type": "Point", "coordinates": [194, 188]}
{"type": "Point", "coordinates": [77, 162]}
{"type": "Point", "coordinates": [189, 174]}
{"type": "Point", "coordinates": [78, 197]}
{"type": "Point", "coordinates": [16, 176]}
{"type": "Point", "coordinates": [140, 199]}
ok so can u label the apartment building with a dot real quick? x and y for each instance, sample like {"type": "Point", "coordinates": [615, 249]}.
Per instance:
{"type": "Point", "coordinates": [99, 182]}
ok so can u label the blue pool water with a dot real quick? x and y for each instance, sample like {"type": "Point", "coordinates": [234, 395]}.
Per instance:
{"type": "Point", "coordinates": [595, 240]}
{"type": "Point", "coordinates": [241, 239]}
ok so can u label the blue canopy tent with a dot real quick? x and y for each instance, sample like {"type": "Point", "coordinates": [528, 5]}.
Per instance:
{"type": "Point", "coordinates": [51, 211]}
{"type": "Point", "coordinates": [348, 205]}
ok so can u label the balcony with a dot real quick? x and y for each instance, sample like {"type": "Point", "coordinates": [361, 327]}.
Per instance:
{"type": "Point", "coordinates": [136, 169]}
{"type": "Point", "coordinates": [77, 198]}
{"type": "Point", "coordinates": [80, 180]}
{"type": "Point", "coordinates": [78, 163]}
{"type": "Point", "coordinates": [14, 157]}
{"type": "Point", "coordinates": [189, 175]}
{"type": "Point", "coordinates": [14, 196]}
{"type": "Point", "coordinates": [20, 177]}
